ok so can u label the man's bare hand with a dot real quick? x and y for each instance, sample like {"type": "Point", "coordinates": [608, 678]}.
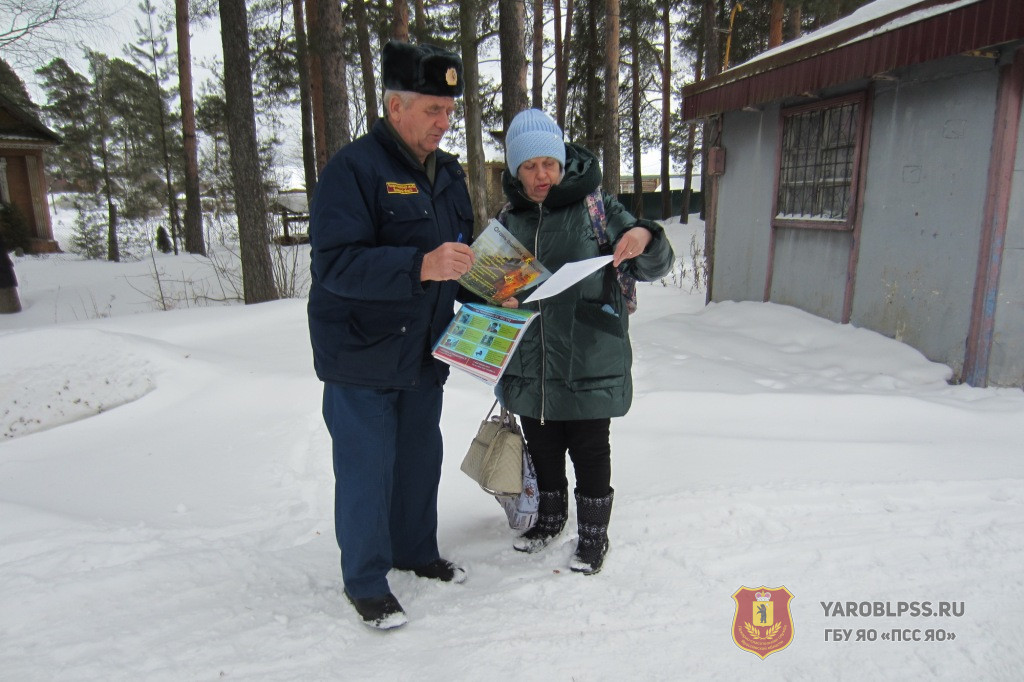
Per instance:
{"type": "Point", "coordinates": [451, 260]}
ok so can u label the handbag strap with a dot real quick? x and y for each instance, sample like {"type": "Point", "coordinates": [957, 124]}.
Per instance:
{"type": "Point", "coordinates": [507, 417]}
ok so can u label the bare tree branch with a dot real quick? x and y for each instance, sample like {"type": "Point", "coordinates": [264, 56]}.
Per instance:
{"type": "Point", "coordinates": [27, 16]}
{"type": "Point", "coordinates": [32, 31]}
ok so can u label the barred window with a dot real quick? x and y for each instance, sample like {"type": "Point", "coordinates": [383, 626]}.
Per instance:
{"type": "Point", "coordinates": [817, 165]}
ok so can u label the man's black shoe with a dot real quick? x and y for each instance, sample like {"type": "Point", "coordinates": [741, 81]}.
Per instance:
{"type": "Point", "coordinates": [381, 613]}
{"type": "Point", "coordinates": [443, 570]}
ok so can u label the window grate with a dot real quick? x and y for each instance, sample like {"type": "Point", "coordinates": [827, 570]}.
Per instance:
{"type": "Point", "coordinates": [816, 174]}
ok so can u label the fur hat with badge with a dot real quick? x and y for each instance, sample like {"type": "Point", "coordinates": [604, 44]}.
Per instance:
{"type": "Point", "coordinates": [426, 69]}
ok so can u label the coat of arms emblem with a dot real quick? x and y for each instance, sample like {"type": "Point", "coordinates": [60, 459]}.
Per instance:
{"type": "Point", "coordinates": [763, 623]}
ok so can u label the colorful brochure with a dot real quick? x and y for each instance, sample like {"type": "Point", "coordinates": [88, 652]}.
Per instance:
{"type": "Point", "coordinates": [481, 339]}
{"type": "Point", "coordinates": [502, 267]}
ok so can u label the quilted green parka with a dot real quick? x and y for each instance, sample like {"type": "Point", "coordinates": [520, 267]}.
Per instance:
{"type": "Point", "coordinates": [574, 361]}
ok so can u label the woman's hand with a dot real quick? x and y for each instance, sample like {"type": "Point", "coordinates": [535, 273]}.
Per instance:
{"type": "Point", "coordinates": [511, 302]}
{"type": "Point", "coordinates": [631, 244]}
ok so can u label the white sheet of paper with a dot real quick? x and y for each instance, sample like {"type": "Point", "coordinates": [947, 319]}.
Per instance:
{"type": "Point", "coordinates": [567, 275]}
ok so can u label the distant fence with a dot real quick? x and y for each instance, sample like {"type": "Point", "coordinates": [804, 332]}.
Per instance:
{"type": "Point", "coordinates": [652, 203]}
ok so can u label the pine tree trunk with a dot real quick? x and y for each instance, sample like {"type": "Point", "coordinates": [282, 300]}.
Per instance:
{"type": "Point", "coordinates": [366, 62]}
{"type": "Point", "coordinates": [476, 169]}
{"type": "Point", "coordinates": [165, 154]}
{"type": "Point", "coordinates": [666, 114]}
{"type": "Point", "coordinates": [316, 83]}
{"type": "Point", "coordinates": [330, 47]}
{"type": "Point", "coordinates": [194, 240]}
{"type": "Point", "coordinates": [712, 66]}
{"type": "Point", "coordinates": [538, 54]}
{"type": "Point", "coordinates": [511, 30]}
{"type": "Point", "coordinates": [250, 201]}
{"type": "Point", "coordinates": [592, 55]}
{"type": "Point", "coordinates": [795, 20]}
{"type": "Point", "coordinates": [305, 106]}
{"type": "Point", "coordinates": [709, 184]}
{"type": "Point", "coordinates": [635, 104]}
{"type": "Point", "coordinates": [690, 142]}
{"type": "Point", "coordinates": [775, 23]}
{"type": "Point", "coordinates": [103, 142]}
{"type": "Point", "coordinates": [570, 9]}
{"type": "Point", "coordinates": [712, 58]}
{"type": "Point", "coordinates": [611, 98]}
{"type": "Point", "coordinates": [113, 250]}
{"type": "Point", "coordinates": [420, 26]}
{"type": "Point", "coordinates": [400, 21]}
{"type": "Point", "coordinates": [172, 194]}
{"type": "Point", "coordinates": [560, 63]}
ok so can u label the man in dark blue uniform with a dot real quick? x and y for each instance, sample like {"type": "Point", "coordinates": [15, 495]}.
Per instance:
{"type": "Point", "coordinates": [390, 223]}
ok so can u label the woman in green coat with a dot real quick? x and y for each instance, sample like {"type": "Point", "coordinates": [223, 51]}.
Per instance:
{"type": "Point", "coordinates": [571, 372]}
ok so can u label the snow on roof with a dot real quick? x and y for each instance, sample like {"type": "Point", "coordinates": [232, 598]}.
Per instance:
{"type": "Point", "coordinates": [293, 202]}
{"type": "Point", "coordinates": [879, 37]}
{"type": "Point", "coordinates": [867, 13]}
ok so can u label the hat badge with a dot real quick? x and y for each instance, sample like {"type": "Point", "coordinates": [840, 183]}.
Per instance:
{"type": "Point", "coordinates": [451, 77]}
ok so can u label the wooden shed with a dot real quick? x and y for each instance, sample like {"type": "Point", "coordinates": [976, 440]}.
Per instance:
{"type": "Point", "coordinates": [23, 140]}
{"type": "Point", "coordinates": [872, 173]}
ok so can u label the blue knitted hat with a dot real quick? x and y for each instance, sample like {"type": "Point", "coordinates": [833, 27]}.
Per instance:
{"type": "Point", "coordinates": [532, 133]}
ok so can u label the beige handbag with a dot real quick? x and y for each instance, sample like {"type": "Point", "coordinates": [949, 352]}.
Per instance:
{"type": "Point", "coordinates": [495, 457]}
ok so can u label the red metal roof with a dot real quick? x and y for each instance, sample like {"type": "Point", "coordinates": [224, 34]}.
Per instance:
{"type": "Point", "coordinates": [834, 59]}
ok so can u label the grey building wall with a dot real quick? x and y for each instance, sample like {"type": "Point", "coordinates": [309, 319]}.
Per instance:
{"type": "Point", "coordinates": [1006, 362]}
{"type": "Point", "coordinates": [745, 193]}
{"type": "Point", "coordinates": [928, 158]}
{"type": "Point", "coordinates": [809, 270]}
{"type": "Point", "coordinates": [809, 266]}
{"type": "Point", "coordinates": [927, 166]}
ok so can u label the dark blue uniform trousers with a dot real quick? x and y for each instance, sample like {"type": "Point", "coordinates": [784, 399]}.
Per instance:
{"type": "Point", "coordinates": [387, 466]}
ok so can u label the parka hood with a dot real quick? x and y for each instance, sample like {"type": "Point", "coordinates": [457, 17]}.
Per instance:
{"type": "Point", "coordinates": [582, 176]}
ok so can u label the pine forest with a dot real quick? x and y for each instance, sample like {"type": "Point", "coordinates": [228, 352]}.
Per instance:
{"type": "Point", "coordinates": [150, 131]}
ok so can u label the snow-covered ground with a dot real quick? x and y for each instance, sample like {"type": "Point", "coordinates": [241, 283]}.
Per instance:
{"type": "Point", "coordinates": [166, 503]}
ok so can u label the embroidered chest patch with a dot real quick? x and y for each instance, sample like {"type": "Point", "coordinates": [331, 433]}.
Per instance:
{"type": "Point", "coordinates": [402, 188]}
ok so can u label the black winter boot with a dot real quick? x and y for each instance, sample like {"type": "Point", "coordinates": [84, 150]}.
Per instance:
{"type": "Point", "coordinates": [552, 511]}
{"type": "Point", "coordinates": [380, 613]}
{"type": "Point", "coordinates": [593, 514]}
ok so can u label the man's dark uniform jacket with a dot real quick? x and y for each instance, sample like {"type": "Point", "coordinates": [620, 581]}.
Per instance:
{"type": "Point", "coordinates": [372, 321]}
